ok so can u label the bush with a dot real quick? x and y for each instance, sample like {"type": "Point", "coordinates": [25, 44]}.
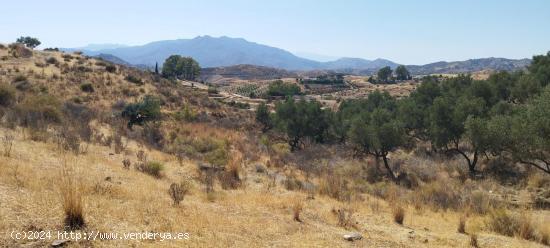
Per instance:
{"type": "Point", "coordinates": [133, 79]}
{"type": "Point", "coordinates": [52, 61]}
{"type": "Point", "coordinates": [152, 168]}
{"type": "Point", "coordinates": [439, 195]}
{"type": "Point", "coordinates": [146, 110]}
{"type": "Point", "coordinates": [110, 68]}
{"type": "Point", "coordinates": [212, 90]}
{"type": "Point", "coordinates": [41, 109]}
{"type": "Point", "coordinates": [187, 114]}
{"type": "Point", "coordinates": [178, 191]}
{"type": "Point", "coordinates": [7, 94]}
{"type": "Point", "coordinates": [398, 214]}
{"type": "Point", "coordinates": [87, 87]}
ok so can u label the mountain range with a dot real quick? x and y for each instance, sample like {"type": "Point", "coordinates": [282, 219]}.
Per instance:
{"type": "Point", "coordinates": [225, 51]}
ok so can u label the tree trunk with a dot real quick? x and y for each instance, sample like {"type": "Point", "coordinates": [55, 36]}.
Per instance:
{"type": "Point", "coordinates": [390, 172]}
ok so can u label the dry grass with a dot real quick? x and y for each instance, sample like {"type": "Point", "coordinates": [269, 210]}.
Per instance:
{"type": "Point", "coordinates": [461, 225]}
{"type": "Point", "coordinates": [398, 214]}
{"type": "Point", "coordinates": [72, 199]}
{"type": "Point", "coordinates": [473, 241]}
{"type": "Point", "coordinates": [297, 208]}
{"type": "Point", "coordinates": [105, 196]}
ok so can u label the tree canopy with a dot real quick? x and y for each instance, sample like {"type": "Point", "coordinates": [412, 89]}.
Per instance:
{"type": "Point", "coordinates": [401, 73]}
{"type": "Point", "coordinates": [29, 42]}
{"type": "Point", "coordinates": [384, 74]}
{"type": "Point", "coordinates": [179, 67]}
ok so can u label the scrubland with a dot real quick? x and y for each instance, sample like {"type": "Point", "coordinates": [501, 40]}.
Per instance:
{"type": "Point", "coordinates": [70, 162]}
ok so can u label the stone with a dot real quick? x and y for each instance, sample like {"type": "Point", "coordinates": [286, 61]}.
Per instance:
{"type": "Point", "coordinates": [353, 236]}
{"type": "Point", "coordinates": [59, 242]}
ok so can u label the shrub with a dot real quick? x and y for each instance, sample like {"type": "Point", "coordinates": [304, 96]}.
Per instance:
{"type": "Point", "coordinates": [186, 113]}
{"type": "Point", "coordinates": [502, 222]}
{"type": "Point", "coordinates": [87, 87]}
{"type": "Point", "coordinates": [52, 61]}
{"type": "Point", "coordinates": [335, 186]}
{"type": "Point", "coordinates": [148, 109]}
{"type": "Point", "coordinates": [20, 78]}
{"type": "Point", "coordinates": [178, 191]}
{"type": "Point", "coordinates": [41, 109]}
{"type": "Point", "coordinates": [212, 90]}
{"type": "Point", "coordinates": [110, 68]}
{"type": "Point", "coordinates": [439, 195]}
{"type": "Point", "coordinates": [398, 214]}
{"type": "Point", "coordinates": [133, 79]}
{"type": "Point", "coordinates": [7, 94]}
{"type": "Point", "coordinates": [152, 168]}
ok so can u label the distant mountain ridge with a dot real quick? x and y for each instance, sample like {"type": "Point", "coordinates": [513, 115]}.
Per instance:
{"type": "Point", "coordinates": [471, 65]}
{"type": "Point", "coordinates": [222, 51]}
{"type": "Point", "coordinates": [225, 51]}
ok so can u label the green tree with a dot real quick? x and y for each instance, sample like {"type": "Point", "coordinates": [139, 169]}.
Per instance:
{"type": "Point", "coordinates": [29, 42]}
{"type": "Point", "coordinates": [179, 67]}
{"type": "Point", "coordinates": [384, 74]}
{"type": "Point", "coordinates": [300, 120]}
{"type": "Point", "coordinates": [524, 134]}
{"type": "Point", "coordinates": [264, 117]}
{"type": "Point", "coordinates": [148, 109]}
{"type": "Point", "coordinates": [448, 126]}
{"type": "Point", "coordinates": [280, 88]}
{"type": "Point", "coordinates": [156, 68]}
{"type": "Point", "coordinates": [402, 73]}
{"type": "Point", "coordinates": [377, 133]}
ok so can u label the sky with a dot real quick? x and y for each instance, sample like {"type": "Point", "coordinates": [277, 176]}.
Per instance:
{"type": "Point", "coordinates": [404, 31]}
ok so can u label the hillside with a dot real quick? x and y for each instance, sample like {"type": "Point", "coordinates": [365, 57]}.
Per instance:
{"type": "Point", "coordinates": [91, 146]}
{"type": "Point", "coordinates": [471, 65]}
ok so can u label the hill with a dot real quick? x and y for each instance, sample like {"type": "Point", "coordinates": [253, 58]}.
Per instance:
{"type": "Point", "coordinates": [471, 65]}
{"type": "Point", "coordinates": [72, 160]}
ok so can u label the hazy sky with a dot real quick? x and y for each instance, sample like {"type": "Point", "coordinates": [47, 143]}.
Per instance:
{"type": "Point", "coordinates": [406, 31]}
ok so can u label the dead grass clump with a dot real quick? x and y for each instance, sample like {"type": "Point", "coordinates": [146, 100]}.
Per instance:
{"type": "Point", "coordinates": [292, 183]}
{"type": "Point", "coordinates": [7, 142]}
{"type": "Point", "coordinates": [473, 241]}
{"type": "Point", "coordinates": [461, 225]}
{"type": "Point", "coordinates": [297, 207]}
{"type": "Point", "coordinates": [505, 223]}
{"type": "Point", "coordinates": [230, 178]}
{"type": "Point", "coordinates": [439, 195]}
{"type": "Point", "coordinates": [398, 213]}
{"type": "Point", "coordinates": [334, 185]}
{"type": "Point", "coordinates": [178, 191]}
{"type": "Point", "coordinates": [73, 201]}
{"type": "Point", "coordinates": [480, 202]}
{"type": "Point", "coordinates": [500, 221]}
{"type": "Point", "coordinates": [345, 217]}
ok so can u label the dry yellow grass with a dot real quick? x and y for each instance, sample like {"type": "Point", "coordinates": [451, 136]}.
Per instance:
{"type": "Point", "coordinates": [120, 200]}
{"type": "Point", "coordinates": [257, 212]}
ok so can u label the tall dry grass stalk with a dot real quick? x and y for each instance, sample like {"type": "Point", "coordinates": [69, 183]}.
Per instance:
{"type": "Point", "coordinates": [72, 195]}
